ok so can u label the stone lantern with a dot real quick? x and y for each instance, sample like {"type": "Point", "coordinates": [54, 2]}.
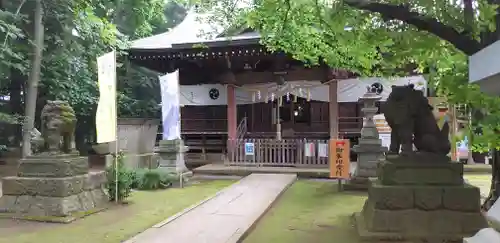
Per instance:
{"type": "Point", "coordinates": [369, 148]}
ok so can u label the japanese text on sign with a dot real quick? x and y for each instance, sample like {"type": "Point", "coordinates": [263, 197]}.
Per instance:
{"type": "Point", "coordinates": [339, 159]}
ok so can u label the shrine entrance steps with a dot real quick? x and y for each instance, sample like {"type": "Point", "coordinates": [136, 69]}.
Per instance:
{"type": "Point", "coordinates": [204, 148]}
{"type": "Point", "coordinates": [226, 217]}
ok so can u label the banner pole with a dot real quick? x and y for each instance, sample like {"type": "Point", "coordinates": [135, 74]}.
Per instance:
{"type": "Point", "coordinates": [116, 132]}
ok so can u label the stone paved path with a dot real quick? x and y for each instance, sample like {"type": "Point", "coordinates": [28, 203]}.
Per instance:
{"type": "Point", "coordinates": [224, 218]}
{"type": "Point", "coordinates": [481, 181]}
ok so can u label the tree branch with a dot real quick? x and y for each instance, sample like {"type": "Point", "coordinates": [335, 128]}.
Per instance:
{"type": "Point", "coordinates": [461, 40]}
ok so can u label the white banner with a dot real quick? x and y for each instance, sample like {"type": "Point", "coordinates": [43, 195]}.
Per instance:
{"type": "Point", "coordinates": [349, 90]}
{"type": "Point", "coordinates": [323, 150]}
{"type": "Point", "coordinates": [170, 111]}
{"type": "Point", "coordinates": [309, 149]}
{"type": "Point", "coordinates": [106, 117]}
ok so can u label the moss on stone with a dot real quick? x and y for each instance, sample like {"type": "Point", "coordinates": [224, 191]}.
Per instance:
{"type": "Point", "coordinates": [53, 219]}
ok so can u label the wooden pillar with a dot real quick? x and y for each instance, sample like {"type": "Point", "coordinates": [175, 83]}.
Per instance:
{"type": "Point", "coordinates": [333, 108]}
{"type": "Point", "coordinates": [278, 121]}
{"type": "Point", "coordinates": [231, 113]}
{"type": "Point", "coordinates": [253, 117]}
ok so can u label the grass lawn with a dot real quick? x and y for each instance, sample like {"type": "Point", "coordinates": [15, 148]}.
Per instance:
{"type": "Point", "coordinates": [310, 211]}
{"type": "Point", "coordinates": [315, 212]}
{"type": "Point", "coordinates": [115, 224]}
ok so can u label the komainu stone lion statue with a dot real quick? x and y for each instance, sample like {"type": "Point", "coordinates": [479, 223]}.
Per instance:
{"type": "Point", "coordinates": [410, 116]}
{"type": "Point", "coordinates": [58, 127]}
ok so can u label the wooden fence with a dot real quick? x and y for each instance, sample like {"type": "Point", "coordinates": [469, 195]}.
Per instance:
{"type": "Point", "coordinates": [272, 152]}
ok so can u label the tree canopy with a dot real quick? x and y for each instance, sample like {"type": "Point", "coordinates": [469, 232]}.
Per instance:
{"type": "Point", "coordinates": [380, 38]}
{"type": "Point", "coordinates": [76, 33]}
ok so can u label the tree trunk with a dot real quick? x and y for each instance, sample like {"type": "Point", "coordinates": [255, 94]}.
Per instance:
{"type": "Point", "coordinates": [34, 78]}
{"type": "Point", "coordinates": [16, 102]}
{"type": "Point", "coordinates": [495, 181]}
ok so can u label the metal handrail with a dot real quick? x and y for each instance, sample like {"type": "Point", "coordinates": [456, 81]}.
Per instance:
{"type": "Point", "coordinates": [242, 128]}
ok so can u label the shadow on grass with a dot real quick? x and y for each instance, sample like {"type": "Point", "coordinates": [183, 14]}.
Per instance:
{"type": "Point", "coordinates": [310, 211]}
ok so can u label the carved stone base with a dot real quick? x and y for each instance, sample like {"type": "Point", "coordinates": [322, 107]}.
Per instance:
{"type": "Point", "coordinates": [55, 188]}
{"type": "Point", "coordinates": [405, 203]}
{"type": "Point", "coordinates": [370, 152]}
{"type": "Point", "coordinates": [171, 153]}
{"type": "Point", "coordinates": [52, 187]}
{"type": "Point", "coordinates": [53, 199]}
{"type": "Point", "coordinates": [53, 209]}
{"type": "Point", "coordinates": [357, 184]}
{"type": "Point", "coordinates": [419, 170]}
{"type": "Point", "coordinates": [53, 166]}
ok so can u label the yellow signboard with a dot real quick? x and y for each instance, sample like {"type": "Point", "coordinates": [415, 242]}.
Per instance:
{"type": "Point", "coordinates": [340, 163]}
{"type": "Point", "coordinates": [106, 108]}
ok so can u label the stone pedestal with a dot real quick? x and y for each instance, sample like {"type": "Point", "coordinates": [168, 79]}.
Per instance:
{"type": "Point", "coordinates": [55, 188]}
{"type": "Point", "coordinates": [171, 153]}
{"type": "Point", "coordinates": [420, 200]}
{"type": "Point", "coordinates": [370, 153]}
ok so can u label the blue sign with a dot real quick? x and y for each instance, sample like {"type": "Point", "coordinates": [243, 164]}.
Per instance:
{"type": "Point", "coordinates": [249, 149]}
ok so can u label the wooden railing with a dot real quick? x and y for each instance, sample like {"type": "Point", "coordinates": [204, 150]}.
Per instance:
{"type": "Point", "coordinates": [285, 152]}
{"type": "Point", "coordinates": [350, 124]}
{"type": "Point", "coordinates": [346, 125]}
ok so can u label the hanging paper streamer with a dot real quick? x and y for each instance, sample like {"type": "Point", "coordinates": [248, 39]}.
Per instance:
{"type": "Point", "coordinates": [288, 96]}
{"type": "Point", "coordinates": [258, 95]}
{"type": "Point", "coordinates": [280, 101]}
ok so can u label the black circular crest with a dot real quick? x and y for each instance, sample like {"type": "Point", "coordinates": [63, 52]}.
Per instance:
{"type": "Point", "coordinates": [213, 93]}
{"type": "Point", "coordinates": [377, 87]}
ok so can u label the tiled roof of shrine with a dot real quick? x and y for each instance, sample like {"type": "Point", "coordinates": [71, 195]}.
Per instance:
{"type": "Point", "coordinates": [195, 38]}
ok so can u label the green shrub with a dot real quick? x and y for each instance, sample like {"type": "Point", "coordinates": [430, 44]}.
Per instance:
{"type": "Point", "coordinates": [137, 178]}
{"type": "Point", "coordinates": [153, 179]}
{"type": "Point", "coordinates": [125, 180]}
